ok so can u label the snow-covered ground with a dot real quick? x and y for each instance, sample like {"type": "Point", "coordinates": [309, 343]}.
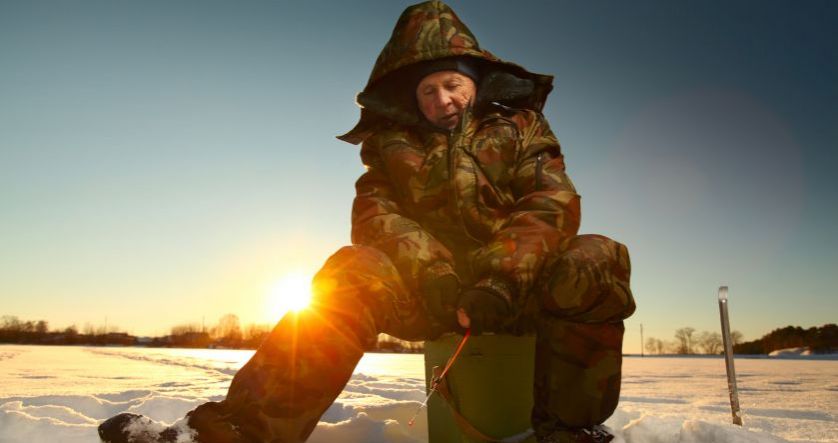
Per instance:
{"type": "Point", "coordinates": [60, 394]}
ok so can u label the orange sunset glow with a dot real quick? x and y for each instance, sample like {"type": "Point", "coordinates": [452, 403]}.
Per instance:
{"type": "Point", "coordinates": [292, 292]}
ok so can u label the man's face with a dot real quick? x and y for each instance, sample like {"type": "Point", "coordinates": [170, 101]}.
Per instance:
{"type": "Point", "coordinates": [443, 95]}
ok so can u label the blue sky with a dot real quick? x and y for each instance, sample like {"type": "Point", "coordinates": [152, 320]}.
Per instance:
{"type": "Point", "coordinates": [167, 162]}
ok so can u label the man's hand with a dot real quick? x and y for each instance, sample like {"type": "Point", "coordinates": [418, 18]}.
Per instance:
{"type": "Point", "coordinates": [441, 295]}
{"type": "Point", "coordinates": [482, 310]}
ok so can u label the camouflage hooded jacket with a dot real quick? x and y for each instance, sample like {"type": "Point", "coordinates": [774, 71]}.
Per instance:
{"type": "Point", "coordinates": [488, 201]}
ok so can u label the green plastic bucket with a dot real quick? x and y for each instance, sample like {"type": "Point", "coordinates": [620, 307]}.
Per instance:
{"type": "Point", "coordinates": [490, 385]}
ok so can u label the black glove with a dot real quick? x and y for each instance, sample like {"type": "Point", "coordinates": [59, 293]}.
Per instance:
{"type": "Point", "coordinates": [486, 309]}
{"type": "Point", "coordinates": [441, 296]}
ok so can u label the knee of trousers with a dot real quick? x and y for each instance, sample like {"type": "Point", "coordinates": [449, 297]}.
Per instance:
{"type": "Point", "coordinates": [359, 281]}
{"type": "Point", "coordinates": [589, 282]}
{"type": "Point", "coordinates": [577, 373]}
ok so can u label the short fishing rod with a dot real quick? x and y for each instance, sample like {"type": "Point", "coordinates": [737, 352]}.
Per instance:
{"type": "Point", "coordinates": [436, 380]}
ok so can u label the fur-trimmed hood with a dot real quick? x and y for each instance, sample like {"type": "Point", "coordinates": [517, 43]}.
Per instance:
{"type": "Point", "coordinates": [431, 31]}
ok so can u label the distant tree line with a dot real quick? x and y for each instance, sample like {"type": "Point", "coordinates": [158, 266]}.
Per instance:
{"type": "Point", "coordinates": [228, 333]}
{"type": "Point", "coordinates": [688, 341]}
{"type": "Point", "coordinates": [820, 340]}
{"type": "Point", "coordinates": [14, 330]}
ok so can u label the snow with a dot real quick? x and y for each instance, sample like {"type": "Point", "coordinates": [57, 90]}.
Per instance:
{"type": "Point", "coordinates": [50, 392]}
{"type": "Point", "coordinates": [788, 352]}
{"type": "Point", "coordinates": [803, 352]}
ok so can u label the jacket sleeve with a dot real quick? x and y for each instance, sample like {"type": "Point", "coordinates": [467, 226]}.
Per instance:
{"type": "Point", "coordinates": [379, 221]}
{"type": "Point", "coordinates": [546, 214]}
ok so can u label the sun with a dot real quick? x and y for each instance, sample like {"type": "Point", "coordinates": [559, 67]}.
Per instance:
{"type": "Point", "coordinates": [292, 292]}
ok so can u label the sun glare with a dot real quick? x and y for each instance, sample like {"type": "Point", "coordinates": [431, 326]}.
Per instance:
{"type": "Point", "coordinates": [290, 293]}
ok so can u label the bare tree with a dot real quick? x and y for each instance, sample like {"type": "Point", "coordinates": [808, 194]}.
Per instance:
{"type": "Point", "coordinates": [10, 323]}
{"type": "Point", "coordinates": [41, 328]}
{"type": "Point", "coordinates": [71, 334]}
{"type": "Point", "coordinates": [736, 338]}
{"type": "Point", "coordinates": [709, 342]}
{"type": "Point", "coordinates": [189, 335]}
{"type": "Point", "coordinates": [650, 345]}
{"type": "Point", "coordinates": [655, 346]}
{"type": "Point", "coordinates": [187, 328]}
{"type": "Point", "coordinates": [684, 336]}
{"type": "Point", "coordinates": [229, 330]}
{"type": "Point", "coordinates": [255, 333]}
{"type": "Point", "coordinates": [28, 327]}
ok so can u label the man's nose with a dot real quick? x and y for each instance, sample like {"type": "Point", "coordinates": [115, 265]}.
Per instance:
{"type": "Point", "coordinates": [443, 99]}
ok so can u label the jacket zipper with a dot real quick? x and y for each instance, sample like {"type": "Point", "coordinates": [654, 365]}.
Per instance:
{"type": "Point", "coordinates": [451, 177]}
{"type": "Point", "coordinates": [452, 166]}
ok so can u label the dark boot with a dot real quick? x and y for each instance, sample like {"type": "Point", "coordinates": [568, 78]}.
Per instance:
{"type": "Point", "coordinates": [594, 434]}
{"type": "Point", "coordinates": [205, 424]}
{"type": "Point", "coordinates": [212, 423]}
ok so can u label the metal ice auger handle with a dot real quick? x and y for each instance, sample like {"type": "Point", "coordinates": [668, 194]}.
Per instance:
{"type": "Point", "coordinates": [731, 372]}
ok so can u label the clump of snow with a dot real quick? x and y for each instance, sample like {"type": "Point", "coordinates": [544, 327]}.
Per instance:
{"type": "Point", "coordinates": [801, 353]}
{"type": "Point", "coordinates": [144, 429]}
{"type": "Point", "coordinates": [790, 352]}
{"type": "Point", "coordinates": [62, 393]}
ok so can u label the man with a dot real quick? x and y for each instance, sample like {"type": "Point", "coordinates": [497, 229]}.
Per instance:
{"type": "Point", "coordinates": [464, 218]}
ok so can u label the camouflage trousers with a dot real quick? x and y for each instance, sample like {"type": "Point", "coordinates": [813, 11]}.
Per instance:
{"type": "Point", "coordinates": [576, 311]}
